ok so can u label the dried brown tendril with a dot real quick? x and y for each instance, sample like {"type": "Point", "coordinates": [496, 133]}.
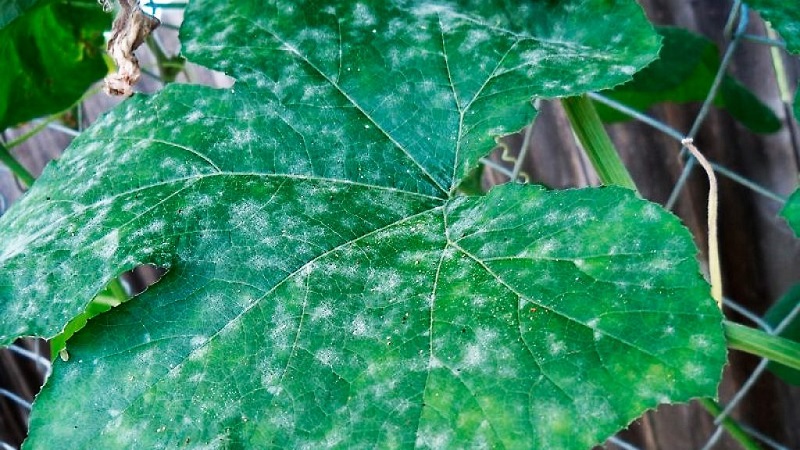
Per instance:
{"type": "Point", "coordinates": [130, 28]}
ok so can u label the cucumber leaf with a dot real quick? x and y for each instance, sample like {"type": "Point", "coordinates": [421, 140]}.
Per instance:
{"type": "Point", "coordinates": [326, 284]}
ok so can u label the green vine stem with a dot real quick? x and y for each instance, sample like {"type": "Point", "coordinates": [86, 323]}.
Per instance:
{"type": "Point", "coordinates": [595, 141]}
{"type": "Point", "coordinates": [15, 167]}
{"type": "Point", "coordinates": [765, 345]}
{"type": "Point", "coordinates": [730, 425]}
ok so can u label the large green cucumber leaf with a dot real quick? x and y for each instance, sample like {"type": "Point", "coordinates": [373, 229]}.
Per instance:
{"type": "Point", "coordinates": [684, 72]}
{"type": "Point", "coordinates": [325, 283]}
{"type": "Point", "coordinates": [51, 52]}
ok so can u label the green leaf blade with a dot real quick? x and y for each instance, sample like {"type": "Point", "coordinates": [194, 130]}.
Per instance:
{"type": "Point", "coordinates": [314, 242]}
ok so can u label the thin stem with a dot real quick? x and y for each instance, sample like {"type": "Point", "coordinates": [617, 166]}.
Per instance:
{"type": "Point", "coordinates": [595, 141]}
{"type": "Point", "coordinates": [730, 425]}
{"type": "Point", "coordinates": [714, 270]}
{"type": "Point", "coordinates": [780, 69]}
{"type": "Point", "coordinates": [523, 151]}
{"type": "Point", "coordinates": [15, 167]}
{"type": "Point", "coordinates": [51, 118]}
{"type": "Point", "coordinates": [759, 343]}
{"type": "Point", "coordinates": [41, 125]}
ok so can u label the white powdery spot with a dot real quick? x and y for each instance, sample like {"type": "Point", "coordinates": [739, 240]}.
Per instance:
{"type": "Point", "coordinates": [107, 246]}
{"type": "Point", "coordinates": [326, 356]}
{"type": "Point", "coordinates": [197, 341]}
{"type": "Point", "coordinates": [15, 246]}
{"type": "Point", "coordinates": [428, 438]}
{"type": "Point", "coordinates": [363, 15]}
{"type": "Point", "coordinates": [473, 356]}
{"type": "Point", "coordinates": [360, 326]}
{"type": "Point", "coordinates": [555, 346]}
{"type": "Point", "coordinates": [699, 341]}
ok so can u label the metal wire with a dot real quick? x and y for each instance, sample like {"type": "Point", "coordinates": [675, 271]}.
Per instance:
{"type": "Point", "coordinates": [739, 10]}
{"type": "Point", "coordinates": [499, 168]}
{"type": "Point", "coordinates": [42, 363]}
{"type": "Point", "coordinates": [745, 312]}
{"type": "Point", "coordinates": [622, 444]}
{"type": "Point", "coordinates": [15, 398]}
{"type": "Point", "coordinates": [762, 437]}
{"type": "Point", "coordinates": [61, 128]}
{"type": "Point", "coordinates": [644, 118]}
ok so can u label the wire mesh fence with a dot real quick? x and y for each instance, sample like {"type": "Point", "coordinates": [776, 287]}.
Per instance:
{"type": "Point", "coordinates": [25, 365]}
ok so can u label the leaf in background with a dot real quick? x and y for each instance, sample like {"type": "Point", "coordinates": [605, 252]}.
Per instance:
{"type": "Point", "coordinates": [791, 212]}
{"type": "Point", "coordinates": [785, 19]}
{"type": "Point", "coordinates": [777, 313]}
{"type": "Point", "coordinates": [326, 285]}
{"type": "Point", "coordinates": [684, 73]}
{"type": "Point", "coordinates": [51, 53]}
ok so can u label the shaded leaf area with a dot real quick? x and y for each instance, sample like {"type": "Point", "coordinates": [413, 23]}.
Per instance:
{"type": "Point", "coordinates": [791, 212]}
{"type": "Point", "coordinates": [51, 52]}
{"type": "Point", "coordinates": [315, 243]}
{"type": "Point", "coordinates": [12, 9]}
{"type": "Point", "coordinates": [684, 72]}
{"type": "Point", "coordinates": [778, 312]}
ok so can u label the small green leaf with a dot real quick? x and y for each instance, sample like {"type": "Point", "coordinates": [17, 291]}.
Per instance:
{"type": "Point", "coordinates": [684, 73]}
{"type": "Point", "coordinates": [51, 53]}
{"type": "Point", "coordinates": [326, 285]}
{"type": "Point", "coordinates": [791, 212]}
{"type": "Point", "coordinates": [774, 316]}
